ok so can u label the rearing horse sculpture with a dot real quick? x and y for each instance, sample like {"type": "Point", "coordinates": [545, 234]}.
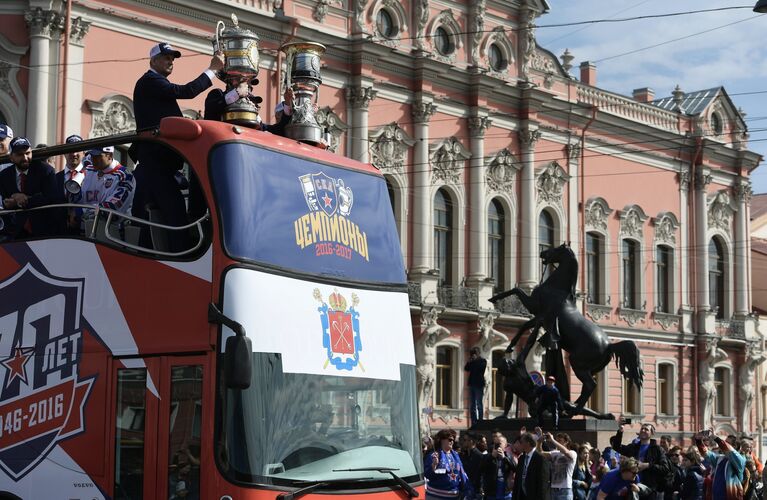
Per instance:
{"type": "Point", "coordinates": [553, 306]}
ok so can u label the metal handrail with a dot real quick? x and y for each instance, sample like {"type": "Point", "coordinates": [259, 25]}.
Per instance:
{"type": "Point", "coordinates": [111, 212]}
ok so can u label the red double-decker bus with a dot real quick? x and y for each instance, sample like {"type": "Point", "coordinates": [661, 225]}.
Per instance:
{"type": "Point", "coordinates": [272, 356]}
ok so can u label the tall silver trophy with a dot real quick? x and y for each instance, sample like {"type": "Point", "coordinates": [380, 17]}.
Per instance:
{"type": "Point", "coordinates": [303, 75]}
{"type": "Point", "coordinates": [240, 48]}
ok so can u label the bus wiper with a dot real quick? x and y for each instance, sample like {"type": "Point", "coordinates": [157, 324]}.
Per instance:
{"type": "Point", "coordinates": [412, 493]}
{"type": "Point", "coordinates": [293, 495]}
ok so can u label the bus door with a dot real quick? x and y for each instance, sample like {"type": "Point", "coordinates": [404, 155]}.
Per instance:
{"type": "Point", "coordinates": [158, 450]}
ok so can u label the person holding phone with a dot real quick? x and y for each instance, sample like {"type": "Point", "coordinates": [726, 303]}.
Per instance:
{"type": "Point", "coordinates": [654, 466]}
{"type": "Point", "coordinates": [497, 466]}
{"type": "Point", "coordinates": [562, 465]}
{"type": "Point", "coordinates": [727, 482]}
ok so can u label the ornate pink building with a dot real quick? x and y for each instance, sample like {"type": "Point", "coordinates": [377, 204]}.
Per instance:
{"type": "Point", "coordinates": [493, 149]}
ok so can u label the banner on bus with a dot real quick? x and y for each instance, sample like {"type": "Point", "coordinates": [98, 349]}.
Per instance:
{"type": "Point", "coordinates": [319, 328]}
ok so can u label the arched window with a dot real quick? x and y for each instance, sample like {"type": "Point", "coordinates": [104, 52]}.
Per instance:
{"type": "Point", "coordinates": [443, 390]}
{"type": "Point", "coordinates": [385, 24]}
{"type": "Point", "coordinates": [496, 58]}
{"type": "Point", "coordinates": [664, 264]}
{"type": "Point", "coordinates": [443, 41]}
{"type": "Point", "coordinates": [716, 277]}
{"type": "Point", "coordinates": [443, 236]}
{"type": "Point", "coordinates": [630, 274]}
{"type": "Point", "coordinates": [545, 231]}
{"type": "Point", "coordinates": [496, 222]}
{"type": "Point", "coordinates": [594, 268]}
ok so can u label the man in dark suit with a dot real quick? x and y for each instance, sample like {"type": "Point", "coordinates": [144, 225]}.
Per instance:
{"type": "Point", "coordinates": [154, 98]}
{"type": "Point", "coordinates": [528, 480]}
{"type": "Point", "coordinates": [28, 184]}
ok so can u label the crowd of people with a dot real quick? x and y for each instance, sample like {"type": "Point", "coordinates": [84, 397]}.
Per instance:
{"type": "Point", "coordinates": [94, 177]}
{"type": "Point", "coordinates": [540, 466]}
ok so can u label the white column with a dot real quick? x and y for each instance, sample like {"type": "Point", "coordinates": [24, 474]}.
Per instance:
{"type": "Point", "coordinates": [478, 204]}
{"type": "Point", "coordinates": [44, 25]}
{"type": "Point", "coordinates": [422, 258]}
{"type": "Point", "coordinates": [743, 197]}
{"type": "Point", "coordinates": [702, 179]}
{"type": "Point", "coordinates": [528, 254]}
{"type": "Point", "coordinates": [359, 100]}
{"type": "Point", "coordinates": [684, 245]}
{"type": "Point", "coordinates": [74, 100]}
{"type": "Point", "coordinates": [576, 231]}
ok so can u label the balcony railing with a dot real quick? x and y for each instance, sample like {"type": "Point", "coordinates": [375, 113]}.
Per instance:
{"type": "Point", "coordinates": [512, 305]}
{"type": "Point", "coordinates": [626, 107]}
{"type": "Point", "coordinates": [458, 297]}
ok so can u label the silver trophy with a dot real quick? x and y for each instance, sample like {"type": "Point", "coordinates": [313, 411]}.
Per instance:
{"type": "Point", "coordinates": [303, 75]}
{"type": "Point", "coordinates": [240, 48]}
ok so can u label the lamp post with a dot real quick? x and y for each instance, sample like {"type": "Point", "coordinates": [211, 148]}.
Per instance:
{"type": "Point", "coordinates": [761, 7]}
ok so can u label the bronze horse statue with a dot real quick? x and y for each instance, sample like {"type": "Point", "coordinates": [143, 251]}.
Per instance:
{"type": "Point", "coordinates": [552, 304]}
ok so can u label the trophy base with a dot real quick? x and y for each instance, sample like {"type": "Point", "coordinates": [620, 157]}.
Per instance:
{"type": "Point", "coordinates": [308, 133]}
{"type": "Point", "coordinates": [244, 118]}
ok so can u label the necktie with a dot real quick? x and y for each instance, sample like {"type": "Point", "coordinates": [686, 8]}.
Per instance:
{"type": "Point", "coordinates": [524, 473]}
{"type": "Point", "coordinates": [22, 181]}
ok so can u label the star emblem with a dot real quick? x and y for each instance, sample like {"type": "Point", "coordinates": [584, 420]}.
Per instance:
{"type": "Point", "coordinates": [16, 364]}
{"type": "Point", "coordinates": [327, 199]}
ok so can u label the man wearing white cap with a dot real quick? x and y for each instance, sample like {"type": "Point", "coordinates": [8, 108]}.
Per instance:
{"type": "Point", "coordinates": [107, 184]}
{"type": "Point", "coordinates": [73, 172]}
{"type": "Point", "coordinates": [154, 98]}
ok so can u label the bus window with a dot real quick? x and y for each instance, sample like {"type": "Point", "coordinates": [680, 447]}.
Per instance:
{"type": "Point", "coordinates": [129, 435]}
{"type": "Point", "coordinates": [184, 438]}
{"type": "Point", "coordinates": [103, 206]}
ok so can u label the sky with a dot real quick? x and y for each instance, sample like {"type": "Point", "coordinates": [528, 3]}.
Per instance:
{"type": "Point", "coordinates": [723, 48]}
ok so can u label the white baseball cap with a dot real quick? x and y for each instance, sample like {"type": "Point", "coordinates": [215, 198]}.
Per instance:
{"type": "Point", "coordinates": [163, 48]}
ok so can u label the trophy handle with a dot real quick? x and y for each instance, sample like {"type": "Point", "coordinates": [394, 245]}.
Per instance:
{"type": "Point", "coordinates": [220, 26]}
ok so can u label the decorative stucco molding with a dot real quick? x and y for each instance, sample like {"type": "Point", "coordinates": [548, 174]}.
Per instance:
{"type": "Point", "coordinates": [720, 212]}
{"type": "Point", "coordinates": [632, 219]}
{"type": "Point", "coordinates": [113, 114]}
{"type": "Point", "coordinates": [550, 183]}
{"type": "Point", "coordinates": [330, 121]}
{"type": "Point", "coordinates": [389, 147]}
{"type": "Point", "coordinates": [500, 172]}
{"type": "Point", "coordinates": [448, 160]}
{"type": "Point", "coordinates": [666, 225]}
{"type": "Point", "coordinates": [597, 213]}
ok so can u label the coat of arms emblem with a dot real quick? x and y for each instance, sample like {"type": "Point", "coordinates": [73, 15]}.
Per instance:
{"type": "Point", "coordinates": [340, 330]}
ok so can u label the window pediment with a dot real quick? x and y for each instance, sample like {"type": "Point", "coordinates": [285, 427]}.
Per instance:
{"type": "Point", "coordinates": [389, 147]}
{"type": "Point", "coordinates": [500, 172]}
{"type": "Point", "coordinates": [720, 212]}
{"type": "Point", "coordinates": [666, 225]}
{"type": "Point", "coordinates": [632, 219]}
{"type": "Point", "coordinates": [331, 122]}
{"type": "Point", "coordinates": [550, 183]}
{"type": "Point", "coordinates": [448, 160]}
{"type": "Point", "coordinates": [597, 212]}
{"type": "Point", "coordinates": [113, 114]}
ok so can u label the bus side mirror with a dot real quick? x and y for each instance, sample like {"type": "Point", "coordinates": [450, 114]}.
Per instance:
{"type": "Point", "coordinates": [238, 366]}
{"type": "Point", "coordinates": [238, 363]}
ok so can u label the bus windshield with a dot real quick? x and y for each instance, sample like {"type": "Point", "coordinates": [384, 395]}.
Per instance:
{"type": "Point", "coordinates": [321, 294]}
{"type": "Point", "coordinates": [305, 216]}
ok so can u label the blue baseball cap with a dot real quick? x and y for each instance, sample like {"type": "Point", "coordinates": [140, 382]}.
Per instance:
{"type": "Point", "coordinates": [163, 48]}
{"type": "Point", "coordinates": [73, 138]}
{"type": "Point", "coordinates": [103, 149]}
{"type": "Point", "coordinates": [19, 144]}
{"type": "Point", "coordinates": [5, 131]}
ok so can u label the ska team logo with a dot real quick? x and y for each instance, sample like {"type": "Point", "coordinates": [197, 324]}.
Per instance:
{"type": "Point", "coordinates": [340, 331]}
{"type": "Point", "coordinates": [42, 397]}
{"type": "Point", "coordinates": [326, 194]}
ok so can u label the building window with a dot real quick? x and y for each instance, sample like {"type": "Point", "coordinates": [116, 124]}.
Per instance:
{"type": "Point", "coordinates": [716, 277]}
{"type": "Point", "coordinates": [496, 236]}
{"type": "Point", "coordinates": [632, 399]}
{"type": "Point", "coordinates": [497, 394]}
{"type": "Point", "coordinates": [593, 268]}
{"type": "Point", "coordinates": [443, 41]}
{"type": "Point", "coordinates": [443, 391]}
{"type": "Point", "coordinates": [443, 236]}
{"type": "Point", "coordinates": [664, 388]}
{"type": "Point", "coordinates": [664, 263]}
{"type": "Point", "coordinates": [716, 124]}
{"type": "Point", "coordinates": [385, 24]}
{"type": "Point", "coordinates": [545, 231]}
{"type": "Point", "coordinates": [597, 398]}
{"type": "Point", "coordinates": [496, 58]}
{"type": "Point", "coordinates": [722, 383]}
{"type": "Point", "coordinates": [630, 282]}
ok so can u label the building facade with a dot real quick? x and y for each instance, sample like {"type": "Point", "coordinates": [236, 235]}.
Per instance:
{"type": "Point", "coordinates": [493, 150]}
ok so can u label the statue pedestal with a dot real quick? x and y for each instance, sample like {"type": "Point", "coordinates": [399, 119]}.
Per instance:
{"type": "Point", "coordinates": [596, 432]}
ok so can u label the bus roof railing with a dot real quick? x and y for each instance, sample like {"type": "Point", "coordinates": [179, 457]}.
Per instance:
{"type": "Point", "coordinates": [111, 212]}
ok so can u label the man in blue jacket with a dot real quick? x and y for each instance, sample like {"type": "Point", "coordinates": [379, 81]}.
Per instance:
{"type": "Point", "coordinates": [154, 98]}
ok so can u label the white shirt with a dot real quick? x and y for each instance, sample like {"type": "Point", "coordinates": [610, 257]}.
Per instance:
{"type": "Point", "coordinates": [562, 467]}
